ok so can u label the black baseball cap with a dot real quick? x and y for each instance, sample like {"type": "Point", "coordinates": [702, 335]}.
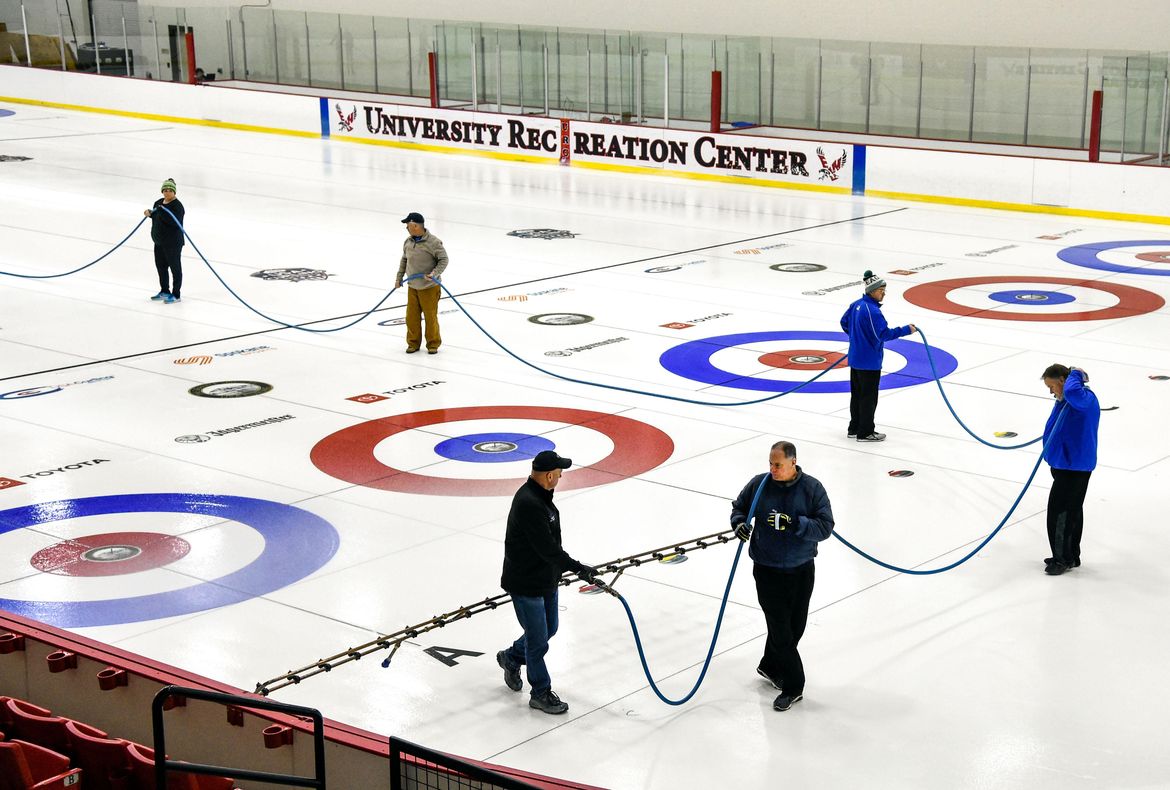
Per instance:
{"type": "Point", "coordinates": [547, 460]}
{"type": "Point", "coordinates": [414, 216]}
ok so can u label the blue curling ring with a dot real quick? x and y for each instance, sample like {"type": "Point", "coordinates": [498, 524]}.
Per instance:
{"type": "Point", "coordinates": [493, 448]}
{"type": "Point", "coordinates": [296, 543]}
{"type": "Point", "coordinates": [1089, 256]}
{"type": "Point", "coordinates": [693, 361]}
{"type": "Point", "coordinates": [1036, 298]}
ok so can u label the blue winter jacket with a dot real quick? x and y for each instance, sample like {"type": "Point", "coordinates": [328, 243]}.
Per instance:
{"type": "Point", "coordinates": [805, 502]}
{"type": "Point", "coordinates": [1074, 445]}
{"type": "Point", "coordinates": [868, 333]}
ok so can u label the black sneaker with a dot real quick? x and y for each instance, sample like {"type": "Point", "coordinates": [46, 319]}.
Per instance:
{"type": "Point", "coordinates": [548, 702]}
{"type": "Point", "coordinates": [511, 675]}
{"type": "Point", "coordinates": [851, 434]}
{"type": "Point", "coordinates": [1055, 568]}
{"type": "Point", "coordinates": [786, 701]}
{"type": "Point", "coordinates": [768, 678]}
{"type": "Point", "coordinates": [873, 437]}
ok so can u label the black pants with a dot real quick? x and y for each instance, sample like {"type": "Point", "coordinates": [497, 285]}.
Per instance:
{"type": "Point", "coordinates": [1066, 514]}
{"type": "Point", "coordinates": [784, 596]}
{"type": "Point", "coordinates": [863, 398]}
{"type": "Point", "coordinates": [168, 261]}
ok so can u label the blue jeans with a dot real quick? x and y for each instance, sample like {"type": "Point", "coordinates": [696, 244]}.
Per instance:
{"type": "Point", "coordinates": [538, 616]}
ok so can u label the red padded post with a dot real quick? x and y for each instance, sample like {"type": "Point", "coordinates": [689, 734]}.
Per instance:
{"type": "Point", "coordinates": [716, 99]}
{"type": "Point", "coordinates": [433, 67]}
{"type": "Point", "coordinates": [1095, 127]}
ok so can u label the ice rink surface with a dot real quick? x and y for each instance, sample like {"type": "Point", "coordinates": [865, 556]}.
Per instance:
{"type": "Point", "coordinates": [358, 489]}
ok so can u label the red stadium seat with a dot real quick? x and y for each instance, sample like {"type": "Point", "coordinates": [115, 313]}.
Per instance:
{"type": "Point", "coordinates": [104, 761]}
{"type": "Point", "coordinates": [26, 766]}
{"type": "Point", "coordinates": [142, 767]}
{"type": "Point", "coordinates": [37, 725]}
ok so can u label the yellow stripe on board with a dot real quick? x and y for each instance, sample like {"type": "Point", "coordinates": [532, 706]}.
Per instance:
{"type": "Point", "coordinates": [998, 205]}
{"type": "Point", "coordinates": [1031, 208]}
{"type": "Point", "coordinates": [240, 127]}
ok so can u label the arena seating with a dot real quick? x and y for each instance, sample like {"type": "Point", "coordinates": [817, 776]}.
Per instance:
{"type": "Point", "coordinates": [47, 751]}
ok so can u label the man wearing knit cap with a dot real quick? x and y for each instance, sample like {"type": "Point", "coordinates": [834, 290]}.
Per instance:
{"type": "Point", "coordinates": [868, 333]}
{"type": "Point", "coordinates": [422, 254]}
{"type": "Point", "coordinates": [167, 234]}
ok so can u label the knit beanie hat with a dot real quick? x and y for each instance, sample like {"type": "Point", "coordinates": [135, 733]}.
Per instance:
{"type": "Point", "coordinates": [169, 184]}
{"type": "Point", "coordinates": [872, 281]}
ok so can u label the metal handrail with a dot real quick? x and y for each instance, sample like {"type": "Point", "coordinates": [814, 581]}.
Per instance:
{"type": "Point", "coordinates": [162, 764]}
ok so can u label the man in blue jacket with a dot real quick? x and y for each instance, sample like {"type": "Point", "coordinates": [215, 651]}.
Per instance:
{"type": "Point", "coordinates": [1070, 448]}
{"type": "Point", "coordinates": [868, 333]}
{"type": "Point", "coordinates": [791, 517]}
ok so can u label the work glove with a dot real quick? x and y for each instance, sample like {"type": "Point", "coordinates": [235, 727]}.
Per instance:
{"type": "Point", "coordinates": [779, 521]}
{"type": "Point", "coordinates": [743, 531]}
{"type": "Point", "coordinates": [587, 573]}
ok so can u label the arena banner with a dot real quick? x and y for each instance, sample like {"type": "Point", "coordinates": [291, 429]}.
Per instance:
{"type": "Point", "coordinates": [792, 162]}
{"type": "Point", "coordinates": [510, 136]}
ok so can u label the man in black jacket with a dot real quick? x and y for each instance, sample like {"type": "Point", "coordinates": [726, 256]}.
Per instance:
{"type": "Point", "coordinates": [533, 564]}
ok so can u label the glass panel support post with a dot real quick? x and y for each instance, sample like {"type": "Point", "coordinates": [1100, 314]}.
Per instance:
{"type": "Point", "coordinates": [971, 108]}
{"type": "Point", "coordinates": [772, 92]}
{"type": "Point", "coordinates": [231, 48]}
{"type": "Point", "coordinates": [474, 73]}
{"type": "Point", "coordinates": [665, 90]}
{"type": "Point", "coordinates": [588, 84]}
{"type": "Point", "coordinates": [158, 54]}
{"type": "Point", "coordinates": [1085, 101]}
{"type": "Point", "coordinates": [125, 47]}
{"type": "Point", "coordinates": [27, 46]}
{"type": "Point", "coordinates": [61, 41]}
{"type": "Point", "coordinates": [308, 50]}
{"type": "Point", "coordinates": [97, 53]}
{"type": "Point", "coordinates": [374, 38]}
{"type": "Point", "coordinates": [544, 54]}
{"type": "Point", "coordinates": [275, 49]}
{"type": "Point", "coordinates": [820, 76]}
{"type": "Point", "coordinates": [1028, 99]}
{"type": "Point", "coordinates": [1165, 117]}
{"type": "Point", "coordinates": [1124, 109]}
{"type": "Point", "coordinates": [921, 74]}
{"type": "Point", "coordinates": [868, 84]}
{"type": "Point", "coordinates": [340, 52]}
{"type": "Point", "coordinates": [243, 43]}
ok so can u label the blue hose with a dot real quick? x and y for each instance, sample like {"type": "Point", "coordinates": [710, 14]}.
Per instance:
{"type": "Point", "coordinates": [718, 621]}
{"type": "Point", "coordinates": [79, 268]}
{"type": "Point", "coordinates": [985, 541]}
{"type": "Point", "coordinates": [947, 401]}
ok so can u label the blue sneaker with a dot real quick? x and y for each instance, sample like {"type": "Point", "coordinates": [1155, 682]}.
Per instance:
{"type": "Point", "coordinates": [169, 299]}
{"type": "Point", "coordinates": [158, 297]}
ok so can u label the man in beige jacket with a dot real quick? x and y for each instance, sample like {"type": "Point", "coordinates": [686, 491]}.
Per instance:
{"type": "Point", "coordinates": [422, 253]}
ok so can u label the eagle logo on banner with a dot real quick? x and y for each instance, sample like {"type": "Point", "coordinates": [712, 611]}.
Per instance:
{"type": "Point", "coordinates": [830, 171]}
{"type": "Point", "coordinates": [346, 121]}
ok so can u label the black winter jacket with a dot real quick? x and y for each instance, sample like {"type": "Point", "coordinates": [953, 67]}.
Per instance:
{"type": "Point", "coordinates": [804, 500]}
{"type": "Point", "coordinates": [533, 558]}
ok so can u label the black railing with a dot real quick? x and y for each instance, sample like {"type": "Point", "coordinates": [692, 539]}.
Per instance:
{"type": "Point", "coordinates": [162, 764]}
{"type": "Point", "coordinates": [431, 770]}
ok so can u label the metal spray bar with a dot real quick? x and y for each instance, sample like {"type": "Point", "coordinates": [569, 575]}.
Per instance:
{"type": "Point", "coordinates": [394, 640]}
